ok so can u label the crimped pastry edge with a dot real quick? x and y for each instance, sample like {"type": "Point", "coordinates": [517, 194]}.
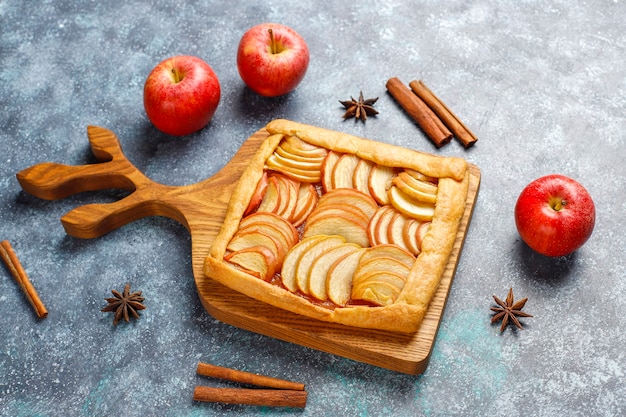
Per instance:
{"type": "Point", "coordinates": [407, 313]}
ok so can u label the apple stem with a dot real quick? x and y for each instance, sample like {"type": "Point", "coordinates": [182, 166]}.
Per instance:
{"type": "Point", "coordinates": [273, 48]}
{"type": "Point", "coordinates": [177, 76]}
{"type": "Point", "coordinates": [558, 204]}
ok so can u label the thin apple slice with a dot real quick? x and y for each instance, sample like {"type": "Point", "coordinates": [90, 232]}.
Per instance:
{"type": "Point", "coordinates": [410, 234]}
{"type": "Point", "coordinates": [362, 281]}
{"type": "Point", "coordinates": [285, 240]}
{"type": "Point", "coordinates": [378, 293]}
{"type": "Point", "coordinates": [306, 202]}
{"type": "Point", "coordinates": [258, 194]}
{"type": "Point", "coordinates": [251, 238]}
{"type": "Point", "coordinates": [350, 197]}
{"type": "Point", "coordinates": [320, 267]}
{"type": "Point", "coordinates": [305, 175]}
{"type": "Point", "coordinates": [351, 212]}
{"type": "Point", "coordinates": [258, 261]}
{"type": "Point", "coordinates": [283, 225]}
{"type": "Point", "coordinates": [395, 230]}
{"type": "Point", "coordinates": [422, 177]}
{"type": "Point", "coordinates": [376, 289]}
{"type": "Point", "coordinates": [290, 263]}
{"type": "Point", "coordinates": [424, 228]}
{"type": "Point", "coordinates": [272, 196]}
{"type": "Point", "coordinates": [380, 181]}
{"type": "Point", "coordinates": [283, 192]}
{"type": "Point", "coordinates": [280, 150]}
{"type": "Point", "coordinates": [327, 170]}
{"type": "Point", "coordinates": [298, 146]}
{"type": "Point", "coordinates": [289, 198]}
{"type": "Point", "coordinates": [384, 264]}
{"type": "Point", "coordinates": [361, 176]}
{"type": "Point", "coordinates": [371, 227]}
{"type": "Point", "coordinates": [339, 277]}
{"type": "Point", "coordinates": [343, 171]}
{"type": "Point", "coordinates": [378, 230]}
{"type": "Point", "coordinates": [400, 181]}
{"type": "Point", "coordinates": [350, 229]}
{"type": "Point", "coordinates": [389, 250]}
{"type": "Point", "coordinates": [410, 207]}
{"type": "Point", "coordinates": [305, 261]}
{"type": "Point", "coordinates": [309, 165]}
{"type": "Point", "coordinates": [423, 185]}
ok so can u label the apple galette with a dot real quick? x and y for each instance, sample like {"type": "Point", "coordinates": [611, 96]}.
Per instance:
{"type": "Point", "coordinates": [340, 228]}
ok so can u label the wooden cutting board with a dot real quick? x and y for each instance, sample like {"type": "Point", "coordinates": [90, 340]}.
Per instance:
{"type": "Point", "coordinates": [201, 208]}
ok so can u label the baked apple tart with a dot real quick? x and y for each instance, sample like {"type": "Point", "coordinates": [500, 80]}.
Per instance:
{"type": "Point", "coordinates": [340, 228]}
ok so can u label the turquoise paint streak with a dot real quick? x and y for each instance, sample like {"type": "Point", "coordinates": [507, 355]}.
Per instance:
{"type": "Point", "coordinates": [350, 393]}
{"type": "Point", "coordinates": [467, 361]}
{"type": "Point", "coordinates": [21, 409]}
{"type": "Point", "coordinates": [94, 402]}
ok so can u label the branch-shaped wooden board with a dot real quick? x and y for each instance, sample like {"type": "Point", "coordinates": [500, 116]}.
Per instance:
{"type": "Point", "coordinates": [201, 208]}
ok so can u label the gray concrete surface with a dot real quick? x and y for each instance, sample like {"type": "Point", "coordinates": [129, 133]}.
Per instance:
{"type": "Point", "coordinates": [542, 84]}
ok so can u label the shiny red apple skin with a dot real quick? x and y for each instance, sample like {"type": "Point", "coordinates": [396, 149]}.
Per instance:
{"type": "Point", "coordinates": [555, 215]}
{"type": "Point", "coordinates": [269, 73]}
{"type": "Point", "coordinates": [181, 95]}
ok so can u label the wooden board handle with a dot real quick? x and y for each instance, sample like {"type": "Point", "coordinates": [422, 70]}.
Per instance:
{"type": "Point", "coordinates": [52, 181]}
{"type": "Point", "coordinates": [94, 220]}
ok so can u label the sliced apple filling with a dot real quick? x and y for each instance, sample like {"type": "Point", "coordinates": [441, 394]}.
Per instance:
{"type": "Point", "coordinates": [326, 267]}
{"type": "Point", "coordinates": [381, 274]}
{"type": "Point", "coordinates": [363, 204]}
{"type": "Point", "coordinates": [261, 243]}
{"type": "Point", "coordinates": [298, 160]}
{"type": "Point", "coordinates": [335, 224]}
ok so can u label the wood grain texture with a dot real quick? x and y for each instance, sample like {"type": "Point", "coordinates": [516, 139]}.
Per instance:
{"type": "Point", "coordinates": [395, 351]}
{"type": "Point", "coordinates": [201, 208]}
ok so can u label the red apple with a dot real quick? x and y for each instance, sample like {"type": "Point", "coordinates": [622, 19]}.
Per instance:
{"type": "Point", "coordinates": [555, 215]}
{"type": "Point", "coordinates": [181, 95]}
{"type": "Point", "coordinates": [272, 59]}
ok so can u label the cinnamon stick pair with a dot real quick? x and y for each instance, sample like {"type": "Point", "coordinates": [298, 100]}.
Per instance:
{"type": "Point", "coordinates": [435, 118]}
{"type": "Point", "coordinates": [276, 392]}
{"type": "Point", "coordinates": [15, 268]}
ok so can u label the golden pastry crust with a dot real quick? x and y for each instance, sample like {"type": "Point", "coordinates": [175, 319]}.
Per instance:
{"type": "Point", "coordinates": [407, 311]}
{"type": "Point", "coordinates": [242, 193]}
{"type": "Point", "coordinates": [389, 155]}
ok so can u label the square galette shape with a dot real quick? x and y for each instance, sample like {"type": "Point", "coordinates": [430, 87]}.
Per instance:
{"type": "Point", "coordinates": [341, 228]}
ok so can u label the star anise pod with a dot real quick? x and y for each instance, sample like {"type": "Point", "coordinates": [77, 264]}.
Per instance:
{"type": "Point", "coordinates": [509, 310]}
{"type": "Point", "coordinates": [124, 305]}
{"type": "Point", "coordinates": [359, 109]}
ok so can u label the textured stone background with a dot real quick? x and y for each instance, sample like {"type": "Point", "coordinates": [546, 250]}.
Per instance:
{"type": "Point", "coordinates": [542, 84]}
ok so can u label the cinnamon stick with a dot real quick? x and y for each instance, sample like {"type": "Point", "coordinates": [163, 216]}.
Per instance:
{"type": "Point", "coordinates": [432, 126]}
{"type": "Point", "coordinates": [16, 269]}
{"type": "Point", "coordinates": [234, 375]}
{"type": "Point", "coordinates": [446, 115]}
{"type": "Point", "coordinates": [259, 397]}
